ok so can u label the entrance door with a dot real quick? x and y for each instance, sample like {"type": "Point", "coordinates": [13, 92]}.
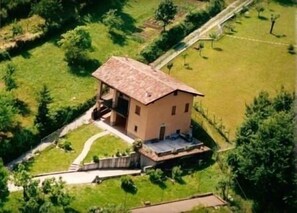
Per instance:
{"type": "Point", "coordinates": [162, 133]}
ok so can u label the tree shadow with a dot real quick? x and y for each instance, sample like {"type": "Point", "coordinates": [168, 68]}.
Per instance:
{"type": "Point", "coordinates": [218, 49]}
{"type": "Point", "coordinates": [286, 2]}
{"type": "Point", "coordinates": [263, 18]}
{"type": "Point", "coordinates": [278, 35]}
{"type": "Point", "coordinates": [180, 46]}
{"type": "Point", "coordinates": [70, 210]}
{"type": "Point", "coordinates": [85, 68]}
{"type": "Point", "coordinates": [26, 54]}
{"type": "Point", "coordinates": [129, 22]}
{"type": "Point", "coordinates": [22, 107]}
{"type": "Point", "coordinates": [202, 135]}
{"type": "Point", "coordinates": [117, 38]}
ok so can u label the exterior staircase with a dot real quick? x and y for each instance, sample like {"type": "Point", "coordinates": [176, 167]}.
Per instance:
{"type": "Point", "coordinates": [73, 167]}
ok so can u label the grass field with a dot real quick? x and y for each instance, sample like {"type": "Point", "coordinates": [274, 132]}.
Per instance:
{"type": "Point", "coordinates": [236, 70]}
{"type": "Point", "coordinates": [45, 64]}
{"type": "Point", "coordinates": [109, 191]}
{"type": "Point", "coordinates": [106, 146]}
{"type": "Point", "coordinates": [55, 159]}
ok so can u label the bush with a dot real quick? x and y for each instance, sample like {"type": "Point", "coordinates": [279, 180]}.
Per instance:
{"type": "Point", "coordinates": [66, 145]}
{"type": "Point", "coordinates": [4, 55]}
{"type": "Point", "coordinates": [127, 184]}
{"type": "Point", "coordinates": [291, 49]}
{"type": "Point", "coordinates": [156, 176]}
{"type": "Point", "coordinates": [176, 173]}
{"type": "Point", "coordinates": [95, 159]}
{"type": "Point", "coordinates": [137, 144]}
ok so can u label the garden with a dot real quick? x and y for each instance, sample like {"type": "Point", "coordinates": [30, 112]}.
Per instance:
{"type": "Point", "coordinates": [240, 64]}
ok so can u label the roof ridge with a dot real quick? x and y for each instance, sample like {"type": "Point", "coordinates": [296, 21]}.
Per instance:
{"type": "Point", "coordinates": [156, 70]}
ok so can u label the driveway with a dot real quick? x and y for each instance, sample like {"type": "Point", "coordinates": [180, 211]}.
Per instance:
{"type": "Point", "coordinates": [182, 206]}
{"type": "Point", "coordinates": [81, 177]}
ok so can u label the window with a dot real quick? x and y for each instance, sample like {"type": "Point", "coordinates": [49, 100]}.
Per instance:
{"type": "Point", "coordinates": [137, 110]}
{"type": "Point", "coordinates": [175, 93]}
{"type": "Point", "coordinates": [173, 110]}
{"type": "Point", "coordinates": [187, 107]}
{"type": "Point", "coordinates": [135, 128]}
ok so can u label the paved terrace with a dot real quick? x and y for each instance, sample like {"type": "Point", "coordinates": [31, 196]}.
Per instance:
{"type": "Point", "coordinates": [172, 148]}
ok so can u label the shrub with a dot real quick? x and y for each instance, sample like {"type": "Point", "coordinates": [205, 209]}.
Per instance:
{"type": "Point", "coordinates": [291, 49]}
{"type": "Point", "coordinates": [127, 184]}
{"type": "Point", "coordinates": [137, 144]}
{"type": "Point", "coordinates": [4, 55]}
{"type": "Point", "coordinates": [16, 29]}
{"type": "Point", "coordinates": [118, 154]}
{"type": "Point", "coordinates": [66, 145]}
{"type": "Point", "coordinates": [95, 159]}
{"type": "Point", "coordinates": [176, 173]}
{"type": "Point", "coordinates": [156, 175]}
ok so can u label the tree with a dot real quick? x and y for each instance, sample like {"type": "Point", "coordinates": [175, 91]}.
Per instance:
{"type": "Point", "coordinates": [112, 20]}
{"type": "Point", "coordinates": [214, 36]}
{"type": "Point", "coordinates": [273, 19]}
{"type": "Point", "coordinates": [7, 112]}
{"type": "Point", "coordinates": [263, 160]}
{"type": "Point", "coordinates": [8, 79]}
{"type": "Point", "coordinates": [43, 119]}
{"type": "Point", "coordinates": [165, 12]}
{"type": "Point", "coordinates": [169, 67]}
{"type": "Point", "coordinates": [185, 55]}
{"type": "Point", "coordinates": [50, 197]}
{"type": "Point", "coordinates": [176, 173]}
{"type": "Point", "coordinates": [200, 48]}
{"type": "Point", "coordinates": [127, 184]}
{"type": "Point", "coordinates": [260, 8]}
{"type": "Point", "coordinates": [3, 184]}
{"type": "Point", "coordinates": [16, 29]}
{"type": "Point", "coordinates": [76, 44]}
{"type": "Point", "coordinates": [50, 10]}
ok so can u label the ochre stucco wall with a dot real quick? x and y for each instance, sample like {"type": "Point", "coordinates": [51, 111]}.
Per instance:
{"type": "Point", "coordinates": [158, 114]}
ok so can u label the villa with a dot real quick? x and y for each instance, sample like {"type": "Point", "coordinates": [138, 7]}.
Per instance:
{"type": "Point", "coordinates": [147, 104]}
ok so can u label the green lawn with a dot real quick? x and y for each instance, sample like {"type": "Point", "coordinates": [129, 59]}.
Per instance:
{"type": "Point", "coordinates": [109, 191]}
{"type": "Point", "coordinates": [106, 147]}
{"type": "Point", "coordinates": [45, 64]}
{"type": "Point", "coordinates": [55, 159]}
{"type": "Point", "coordinates": [233, 73]}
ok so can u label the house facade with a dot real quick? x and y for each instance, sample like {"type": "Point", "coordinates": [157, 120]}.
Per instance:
{"type": "Point", "coordinates": [146, 102]}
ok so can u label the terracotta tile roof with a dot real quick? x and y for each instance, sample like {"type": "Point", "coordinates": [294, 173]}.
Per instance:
{"type": "Point", "coordinates": [139, 81]}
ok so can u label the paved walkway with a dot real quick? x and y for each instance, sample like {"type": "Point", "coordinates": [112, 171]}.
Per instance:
{"type": "Point", "coordinates": [182, 206]}
{"type": "Point", "coordinates": [101, 124]}
{"type": "Point", "coordinates": [75, 165]}
{"type": "Point", "coordinates": [48, 140]}
{"type": "Point", "coordinates": [201, 33]}
{"type": "Point", "coordinates": [81, 177]}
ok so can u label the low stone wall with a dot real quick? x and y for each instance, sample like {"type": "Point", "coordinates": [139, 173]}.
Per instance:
{"type": "Point", "coordinates": [130, 161]}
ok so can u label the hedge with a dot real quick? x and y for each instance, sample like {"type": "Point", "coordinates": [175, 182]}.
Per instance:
{"type": "Point", "coordinates": [171, 37]}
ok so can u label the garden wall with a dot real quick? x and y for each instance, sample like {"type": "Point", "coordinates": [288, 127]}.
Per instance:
{"type": "Point", "coordinates": [130, 161]}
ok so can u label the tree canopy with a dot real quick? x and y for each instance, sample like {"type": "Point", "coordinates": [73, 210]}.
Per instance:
{"type": "Point", "coordinates": [50, 197]}
{"type": "Point", "coordinates": [76, 43]}
{"type": "Point", "coordinates": [165, 12]}
{"type": "Point", "coordinates": [43, 119]}
{"type": "Point", "coordinates": [50, 10]}
{"type": "Point", "coordinates": [3, 184]}
{"type": "Point", "coordinates": [263, 160]}
{"type": "Point", "coordinates": [7, 112]}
